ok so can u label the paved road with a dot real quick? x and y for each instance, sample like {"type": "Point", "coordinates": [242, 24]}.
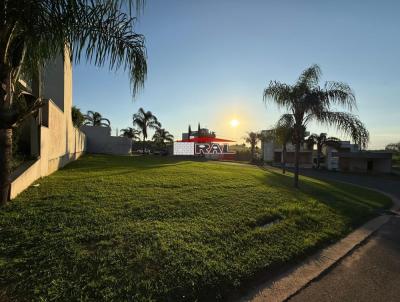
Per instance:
{"type": "Point", "coordinates": [386, 183]}
{"type": "Point", "coordinates": [372, 271]}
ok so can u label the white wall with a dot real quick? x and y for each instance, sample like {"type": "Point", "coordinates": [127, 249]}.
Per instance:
{"type": "Point", "coordinates": [183, 148]}
{"type": "Point", "coordinates": [268, 151]}
{"type": "Point", "coordinates": [60, 142]}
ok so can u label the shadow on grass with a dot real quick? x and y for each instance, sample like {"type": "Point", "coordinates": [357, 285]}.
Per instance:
{"type": "Point", "coordinates": [349, 201]}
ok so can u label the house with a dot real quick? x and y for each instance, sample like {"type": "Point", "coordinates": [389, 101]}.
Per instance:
{"type": "Point", "coordinates": [52, 138]}
{"type": "Point", "coordinates": [272, 152]}
{"type": "Point", "coordinates": [348, 157]}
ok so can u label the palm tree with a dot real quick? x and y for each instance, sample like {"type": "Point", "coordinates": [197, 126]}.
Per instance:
{"type": "Point", "coordinates": [35, 32]}
{"type": "Point", "coordinates": [283, 134]}
{"type": "Point", "coordinates": [306, 101]}
{"type": "Point", "coordinates": [145, 120]}
{"type": "Point", "coordinates": [77, 117]}
{"type": "Point", "coordinates": [252, 138]}
{"type": "Point", "coordinates": [131, 133]}
{"type": "Point", "coordinates": [96, 120]}
{"type": "Point", "coordinates": [321, 140]}
{"type": "Point", "coordinates": [161, 136]}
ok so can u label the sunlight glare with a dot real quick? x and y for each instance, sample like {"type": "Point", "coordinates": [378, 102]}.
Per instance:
{"type": "Point", "coordinates": [234, 123]}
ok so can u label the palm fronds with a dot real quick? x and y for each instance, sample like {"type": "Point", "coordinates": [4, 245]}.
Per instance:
{"type": "Point", "coordinates": [96, 120]}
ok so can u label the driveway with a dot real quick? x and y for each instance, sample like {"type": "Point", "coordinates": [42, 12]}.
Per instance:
{"type": "Point", "coordinates": [371, 272]}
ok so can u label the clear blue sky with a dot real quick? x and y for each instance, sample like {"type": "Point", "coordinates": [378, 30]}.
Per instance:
{"type": "Point", "coordinates": [209, 62]}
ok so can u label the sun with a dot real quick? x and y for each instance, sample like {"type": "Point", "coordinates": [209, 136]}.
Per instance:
{"type": "Point", "coordinates": [234, 123]}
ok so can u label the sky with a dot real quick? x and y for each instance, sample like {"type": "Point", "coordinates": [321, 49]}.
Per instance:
{"type": "Point", "coordinates": [209, 62]}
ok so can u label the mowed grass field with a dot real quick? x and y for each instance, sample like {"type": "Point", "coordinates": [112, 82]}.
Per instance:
{"type": "Point", "coordinates": [158, 229]}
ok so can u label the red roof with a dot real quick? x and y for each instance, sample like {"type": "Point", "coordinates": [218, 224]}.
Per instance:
{"type": "Point", "coordinates": [206, 140]}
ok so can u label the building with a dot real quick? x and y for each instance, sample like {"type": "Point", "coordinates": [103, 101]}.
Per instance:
{"type": "Point", "coordinates": [203, 143]}
{"type": "Point", "coordinates": [201, 132]}
{"type": "Point", "coordinates": [100, 140]}
{"type": "Point", "coordinates": [272, 152]}
{"type": "Point", "coordinates": [348, 157]}
{"type": "Point", "coordinates": [53, 139]}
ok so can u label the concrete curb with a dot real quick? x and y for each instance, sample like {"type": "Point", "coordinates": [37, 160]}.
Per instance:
{"type": "Point", "coordinates": [287, 284]}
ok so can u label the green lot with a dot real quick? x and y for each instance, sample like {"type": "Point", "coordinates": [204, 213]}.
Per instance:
{"type": "Point", "coordinates": [146, 228]}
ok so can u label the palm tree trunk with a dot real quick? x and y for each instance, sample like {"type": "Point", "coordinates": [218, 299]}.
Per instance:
{"type": "Point", "coordinates": [284, 159]}
{"type": "Point", "coordinates": [296, 164]}
{"type": "Point", "coordinates": [5, 164]}
{"type": "Point", "coordinates": [5, 138]}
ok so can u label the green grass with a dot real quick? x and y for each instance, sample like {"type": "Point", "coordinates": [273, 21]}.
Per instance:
{"type": "Point", "coordinates": [145, 228]}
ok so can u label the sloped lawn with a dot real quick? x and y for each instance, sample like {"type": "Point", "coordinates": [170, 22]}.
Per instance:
{"type": "Point", "coordinates": [151, 228]}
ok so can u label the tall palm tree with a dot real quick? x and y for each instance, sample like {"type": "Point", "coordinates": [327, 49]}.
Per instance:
{"type": "Point", "coordinates": [252, 138]}
{"type": "Point", "coordinates": [131, 133]}
{"type": "Point", "coordinates": [283, 134]}
{"type": "Point", "coordinates": [306, 101]}
{"type": "Point", "coordinates": [321, 140]}
{"type": "Point", "coordinates": [161, 136]}
{"type": "Point", "coordinates": [96, 120]}
{"type": "Point", "coordinates": [35, 32]}
{"type": "Point", "coordinates": [145, 120]}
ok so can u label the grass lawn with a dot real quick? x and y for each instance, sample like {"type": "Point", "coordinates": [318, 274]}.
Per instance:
{"type": "Point", "coordinates": [152, 228]}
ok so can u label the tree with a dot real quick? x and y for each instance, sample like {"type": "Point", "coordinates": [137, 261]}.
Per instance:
{"type": "Point", "coordinates": [131, 133]}
{"type": "Point", "coordinates": [252, 138]}
{"type": "Point", "coordinates": [321, 140]}
{"type": "Point", "coordinates": [95, 119]}
{"type": "Point", "coordinates": [283, 134]}
{"type": "Point", "coordinates": [306, 101]}
{"type": "Point", "coordinates": [77, 117]}
{"type": "Point", "coordinates": [393, 147]}
{"type": "Point", "coordinates": [33, 33]}
{"type": "Point", "coordinates": [189, 131]}
{"type": "Point", "coordinates": [145, 120]}
{"type": "Point", "coordinates": [161, 136]}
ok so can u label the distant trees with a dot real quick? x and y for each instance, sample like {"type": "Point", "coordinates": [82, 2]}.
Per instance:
{"type": "Point", "coordinates": [321, 140]}
{"type": "Point", "coordinates": [96, 120]}
{"type": "Point", "coordinates": [393, 147]}
{"type": "Point", "coordinates": [77, 117]}
{"type": "Point", "coordinates": [145, 120]}
{"type": "Point", "coordinates": [162, 136]}
{"type": "Point", "coordinates": [306, 101]}
{"type": "Point", "coordinates": [283, 134]}
{"type": "Point", "coordinates": [131, 133]}
{"type": "Point", "coordinates": [252, 139]}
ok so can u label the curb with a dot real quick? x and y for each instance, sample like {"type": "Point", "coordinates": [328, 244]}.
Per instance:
{"type": "Point", "coordinates": [289, 283]}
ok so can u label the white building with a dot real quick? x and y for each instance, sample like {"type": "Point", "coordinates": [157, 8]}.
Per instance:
{"type": "Point", "coordinates": [273, 152]}
{"type": "Point", "coordinates": [348, 157]}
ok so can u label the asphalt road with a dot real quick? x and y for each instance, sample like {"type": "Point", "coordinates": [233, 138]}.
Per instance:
{"type": "Point", "coordinates": [372, 271]}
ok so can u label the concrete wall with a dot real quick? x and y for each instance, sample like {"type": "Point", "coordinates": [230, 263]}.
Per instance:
{"type": "Point", "coordinates": [99, 140]}
{"type": "Point", "coordinates": [54, 140]}
{"type": "Point", "coordinates": [382, 165]}
{"type": "Point", "coordinates": [268, 151]}
{"type": "Point", "coordinates": [379, 165]}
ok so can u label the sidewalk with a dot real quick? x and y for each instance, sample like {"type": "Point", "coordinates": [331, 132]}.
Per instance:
{"type": "Point", "coordinates": [364, 266]}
